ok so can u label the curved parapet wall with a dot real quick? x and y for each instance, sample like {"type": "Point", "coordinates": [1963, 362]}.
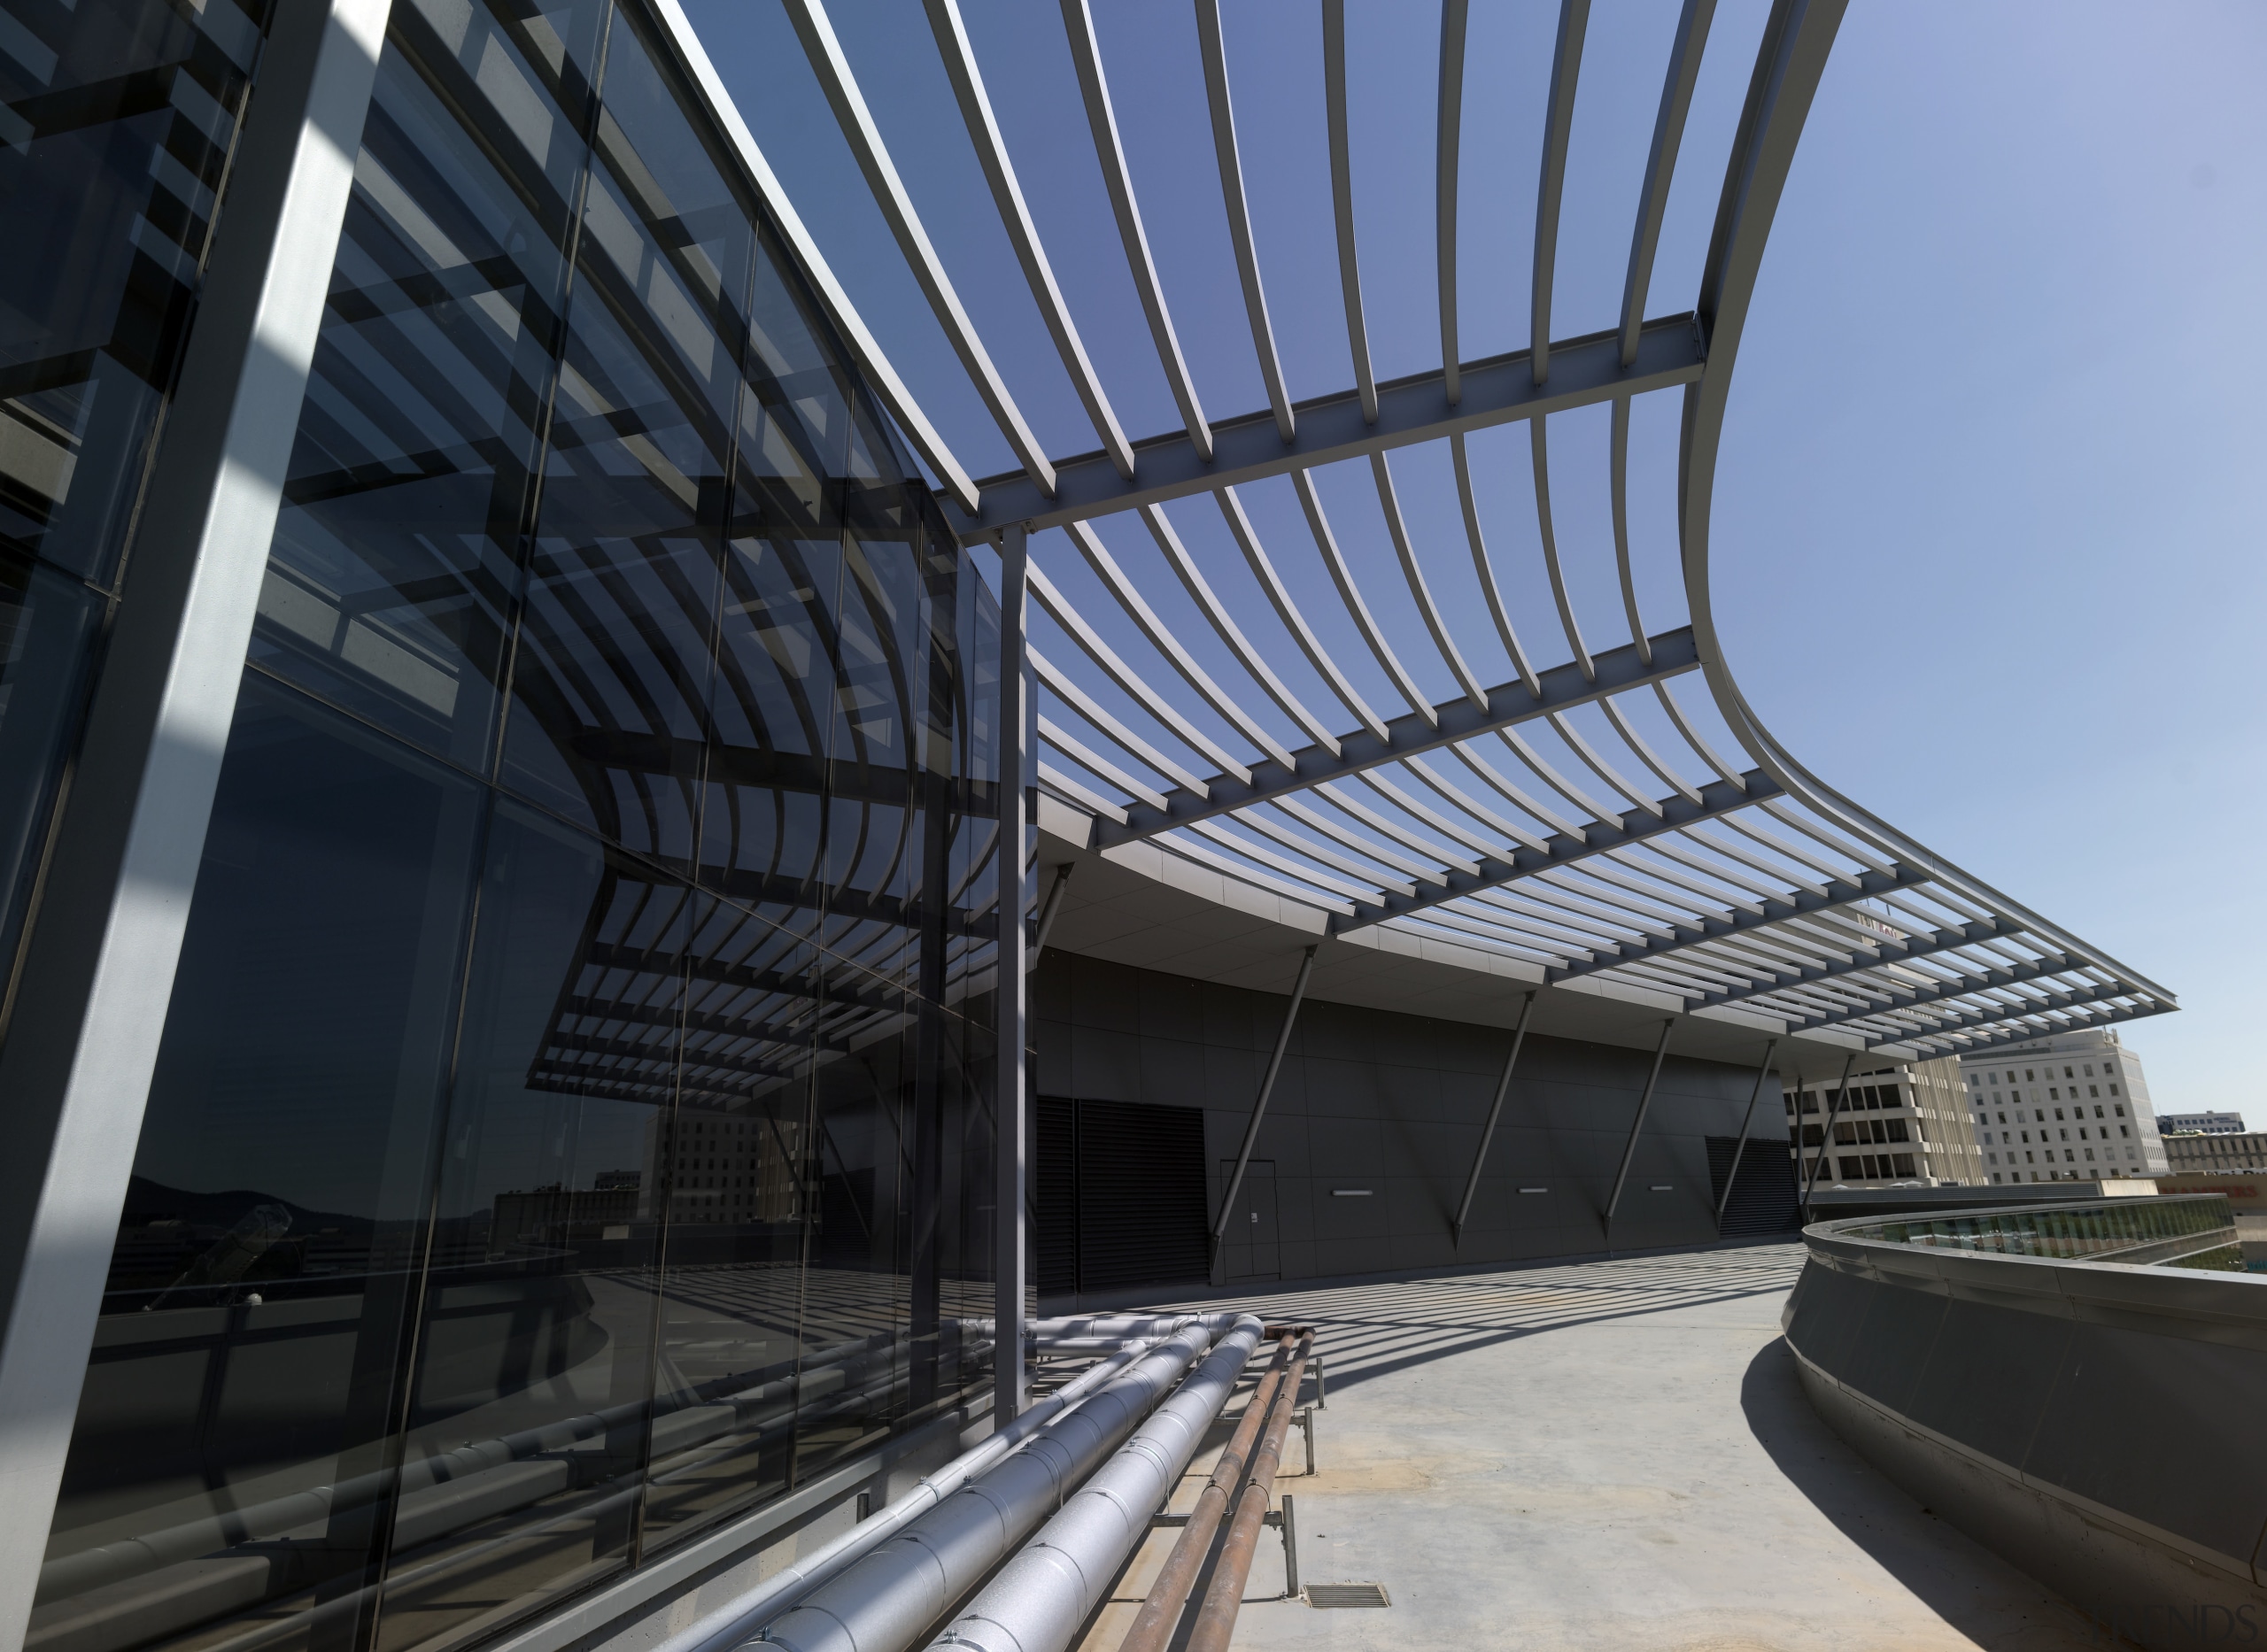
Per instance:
{"type": "Point", "coordinates": [2096, 1423]}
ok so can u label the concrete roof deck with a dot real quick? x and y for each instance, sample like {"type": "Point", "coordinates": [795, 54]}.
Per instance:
{"type": "Point", "coordinates": [1607, 1455]}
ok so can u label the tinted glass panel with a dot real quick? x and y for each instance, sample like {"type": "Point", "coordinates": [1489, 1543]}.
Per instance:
{"type": "Point", "coordinates": [47, 621]}
{"type": "Point", "coordinates": [611, 689]}
{"type": "Point", "coordinates": [874, 847]}
{"type": "Point", "coordinates": [779, 660]}
{"type": "Point", "coordinates": [972, 892]}
{"type": "Point", "coordinates": [392, 575]}
{"type": "Point", "coordinates": [859, 1291]}
{"type": "Point", "coordinates": [608, 575]}
{"type": "Point", "coordinates": [527, 1432]}
{"type": "Point", "coordinates": [117, 121]}
{"type": "Point", "coordinates": [237, 1427]}
{"type": "Point", "coordinates": [900, 1254]}
{"type": "Point", "coordinates": [736, 1165]}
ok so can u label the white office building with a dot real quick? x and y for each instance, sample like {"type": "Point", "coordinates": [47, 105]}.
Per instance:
{"type": "Point", "coordinates": [2071, 1108]}
{"type": "Point", "coordinates": [2203, 1124]}
{"type": "Point", "coordinates": [1902, 1122]}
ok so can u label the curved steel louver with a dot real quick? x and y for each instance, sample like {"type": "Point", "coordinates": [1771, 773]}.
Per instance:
{"type": "Point", "coordinates": [1517, 783]}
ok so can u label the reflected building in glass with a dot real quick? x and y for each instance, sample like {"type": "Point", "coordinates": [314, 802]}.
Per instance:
{"type": "Point", "coordinates": [570, 1126]}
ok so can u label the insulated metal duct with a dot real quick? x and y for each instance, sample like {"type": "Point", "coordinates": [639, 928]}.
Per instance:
{"type": "Point", "coordinates": [891, 1596]}
{"type": "Point", "coordinates": [739, 1620]}
{"type": "Point", "coordinates": [1114, 1325]}
{"type": "Point", "coordinates": [1042, 1595]}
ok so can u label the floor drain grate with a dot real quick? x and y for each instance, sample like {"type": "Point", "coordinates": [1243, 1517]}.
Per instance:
{"type": "Point", "coordinates": [1346, 1595]}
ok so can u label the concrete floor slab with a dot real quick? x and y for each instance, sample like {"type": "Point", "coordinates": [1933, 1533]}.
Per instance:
{"type": "Point", "coordinates": [1607, 1454]}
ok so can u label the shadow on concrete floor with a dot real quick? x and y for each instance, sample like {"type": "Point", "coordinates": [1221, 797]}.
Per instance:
{"type": "Point", "coordinates": [1376, 1329]}
{"type": "Point", "coordinates": [1938, 1563]}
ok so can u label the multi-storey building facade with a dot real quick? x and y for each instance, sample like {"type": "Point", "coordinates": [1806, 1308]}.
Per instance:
{"type": "Point", "coordinates": [1902, 1122]}
{"type": "Point", "coordinates": [2074, 1107]}
{"type": "Point", "coordinates": [2198, 1155]}
{"type": "Point", "coordinates": [2206, 1123]}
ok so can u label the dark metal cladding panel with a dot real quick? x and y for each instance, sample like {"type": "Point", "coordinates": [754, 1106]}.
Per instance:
{"type": "Point", "coordinates": [2189, 1390]}
{"type": "Point", "coordinates": [1891, 1347]}
{"type": "Point", "coordinates": [1990, 1375]}
{"type": "Point", "coordinates": [1825, 1315]}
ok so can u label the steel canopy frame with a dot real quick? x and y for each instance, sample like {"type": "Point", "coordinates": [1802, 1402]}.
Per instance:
{"type": "Point", "coordinates": [1559, 690]}
{"type": "Point", "coordinates": [1335, 427]}
{"type": "Point", "coordinates": [1591, 820]}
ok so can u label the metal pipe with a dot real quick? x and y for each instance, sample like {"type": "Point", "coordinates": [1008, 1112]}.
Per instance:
{"type": "Point", "coordinates": [1038, 1598]}
{"type": "Point", "coordinates": [1826, 1133]}
{"type": "Point", "coordinates": [1636, 1124]}
{"type": "Point", "coordinates": [888, 1598]}
{"type": "Point", "coordinates": [1010, 1261]}
{"type": "Point", "coordinates": [1260, 1106]}
{"type": "Point", "coordinates": [1216, 1618]}
{"type": "Point", "coordinates": [1087, 1332]}
{"type": "Point", "coordinates": [1488, 1131]}
{"type": "Point", "coordinates": [1762, 1072]}
{"type": "Point", "coordinates": [1119, 1325]}
{"type": "Point", "coordinates": [739, 1619]}
{"type": "Point", "coordinates": [1161, 1611]}
{"type": "Point", "coordinates": [1075, 1345]}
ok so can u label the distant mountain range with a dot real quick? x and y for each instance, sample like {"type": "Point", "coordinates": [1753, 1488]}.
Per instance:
{"type": "Point", "coordinates": [148, 1201]}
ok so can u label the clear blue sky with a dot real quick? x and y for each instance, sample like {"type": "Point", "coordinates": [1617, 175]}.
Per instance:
{"type": "Point", "coordinates": [1989, 517]}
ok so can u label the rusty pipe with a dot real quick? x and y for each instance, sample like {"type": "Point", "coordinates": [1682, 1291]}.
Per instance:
{"type": "Point", "coordinates": [1215, 1619]}
{"type": "Point", "coordinates": [1161, 1610]}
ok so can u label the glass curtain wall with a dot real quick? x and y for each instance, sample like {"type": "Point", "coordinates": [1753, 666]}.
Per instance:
{"type": "Point", "coordinates": [117, 121]}
{"type": "Point", "coordinates": [571, 1128]}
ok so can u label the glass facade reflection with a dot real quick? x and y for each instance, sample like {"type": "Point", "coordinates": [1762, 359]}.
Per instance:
{"type": "Point", "coordinates": [570, 1127]}
{"type": "Point", "coordinates": [118, 118]}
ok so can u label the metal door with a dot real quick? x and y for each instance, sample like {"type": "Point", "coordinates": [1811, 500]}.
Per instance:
{"type": "Point", "coordinates": [1249, 1248]}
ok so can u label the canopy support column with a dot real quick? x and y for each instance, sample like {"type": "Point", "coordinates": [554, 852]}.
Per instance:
{"type": "Point", "coordinates": [1488, 1131]}
{"type": "Point", "coordinates": [1740, 1148]}
{"type": "Point", "coordinates": [1258, 1112]}
{"type": "Point", "coordinates": [1826, 1134]}
{"type": "Point", "coordinates": [1010, 1128]}
{"type": "Point", "coordinates": [1636, 1124]}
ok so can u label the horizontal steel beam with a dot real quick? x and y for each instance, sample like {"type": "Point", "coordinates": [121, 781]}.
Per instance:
{"type": "Point", "coordinates": [764, 769]}
{"type": "Point", "coordinates": [1674, 653]}
{"type": "Point", "coordinates": [1717, 797]}
{"type": "Point", "coordinates": [1992, 1014]}
{"type": "Point", "coordinates": [1959, 986]}
{"type": "Point", "coordinates": [748, 887]}
{"type": "Point", "coordinates": [643, 1058]}
{"type": "Point", "coordinates": [844, 985]}
{"type": "Point", "coordinates": [571, 1079]}
{"type": "Point", "coordinates": [1495, 391]}
{"type": "Point", "coordinates": [804, 1030]}
{"type": "Point", "coordinates": [1840, 891]}
{"type": "Point", "coordinates": [1929, 1048]}
{"type": "Point", "coordinates": [1886, 952]}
